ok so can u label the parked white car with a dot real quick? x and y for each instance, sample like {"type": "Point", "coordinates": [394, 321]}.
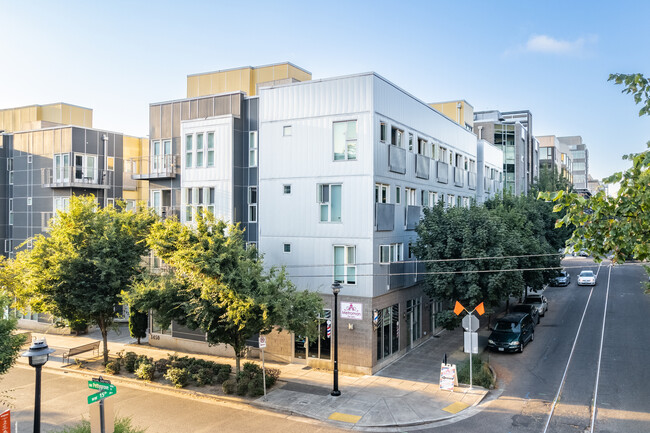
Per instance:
{"type": "Point", "coordinates": [587, 278]}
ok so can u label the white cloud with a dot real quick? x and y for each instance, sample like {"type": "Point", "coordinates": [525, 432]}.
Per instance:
{"type": "Point", "coordinates": [549, 45]}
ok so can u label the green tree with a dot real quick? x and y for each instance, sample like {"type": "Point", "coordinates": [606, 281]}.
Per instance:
{"type": "Point", "coordinates": [220, 287]}
{"type": "Point", "coordinates": [617, 225]}
{"type": "Point", "coordinates": [463, 249]}
{"type": "Point", "coordinates": [138, 323]}
{"type": "Point", "coordinates": [90, 255]}
{"type": "Point", "coordinates": [550, 180]}
{"type": "Point", "coordinates": [9, 342]}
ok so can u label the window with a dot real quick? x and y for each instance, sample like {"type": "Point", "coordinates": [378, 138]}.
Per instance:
{"type": "Point", "coordinates": [85, 169]}
{"type": "Point", "coordinates": [61, 204]}
{"type": "Point", "coordinates": [252, 148]}
{"type": "Point", "coordinates": [410, 196]}
{"type": "Point", "coordinates": [10, 164]}
{"type": "Point", "coordinates": [459, 201]}
{"type": "Point", "coordinates": [381, 193]}
{"type": "Point", "coordinates": [29, 201]}
{"type": "Point", "coordinates": [414, 314]}
{"type": "Point", "coordinates": [425, 198]}
{"type": "Point", "coordinates": [61, 168]}
{"type": "Point", "coordinates": [188, 204]}
{"type": "Point", "coordinates": [329, 198]}
{"type": "Point", "coordinates": [286, 248]}
{"type": "Point", "coordinates": [386, 321]}
{"type": "Point", "coordinates": [321, 347]}
{"type": "Point", "coordinates": [11, 177]}
{"type": "Point", "coordinates": [199, 150]}
{"type": "Point", "coordinates": [210, 161]}
{"type": "Point", "coordinates": [396, 137]}
{"type": "Point", "coordinates": [450, 200]}
{"type": "Point", "coordinates": [11, 218]}
{"type": "Point", "coordinates": [345, 270]}
{"type": "Point", "coordinates": [286, 189]}
{"type": "Point", "coordinates": [110, 202]}
{"type": "Point", "coordinates": [11, 205]}
{"type": "Point", "coordinates": [422, 147]}
{"type": "Point", "coordinates": [29, 159]}
{"type": "Point", "coordinates": [286, 131]}
{"type": "Point", "coordinates": [410, 142]}
{"type": "Point", "coordinates": [472, 166]}
{"type": "Point", "coordinates": [110, 163]}
{"type": "Point", "coordinates": [382, 131]}
{"type": "Point", "coordinates": [442, 154]}
{"type": "Point", "coordinates": [398, 195]}
{"type": "Point", "coordinates": [459, 161]}
{"type": "Point", "coordinates": [252, 204]}
{"type": "Point", "coordinates": [209, 199]}
{"type": "Point", "coordinates": [391, 253]}
{"type": "Point", "coordinates": [345, 140]}
{"type": "Point", "coordinates": [189, 147]}
{"type": "Point", "coordinates": [433, 198]}
{"type": "Point", "coordinates": [7, 245]}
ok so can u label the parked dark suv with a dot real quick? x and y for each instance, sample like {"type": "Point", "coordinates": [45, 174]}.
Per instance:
{"type": "Point", "coordinates": [527, 308]}
{"type": "Point", "coordinates": [512, 332]}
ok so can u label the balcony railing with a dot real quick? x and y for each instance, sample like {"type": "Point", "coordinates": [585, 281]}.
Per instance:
{"type": "Point", "coordinates": [443, 172]}
{"type": "Point", "coordinates": [76, 177]}
{"type": "Point", "coordinates": [471, 184]}
{"type": "Point", "coordinates": [422, 166]}
{"type": "Point", "coordinates": [154, 167]}
{"type": "Point", "coordinates": [396, 159]}
{"type": "Point", "coordinates": [459, 176]}
{"type": "Point", "coordinates": [167, 211]}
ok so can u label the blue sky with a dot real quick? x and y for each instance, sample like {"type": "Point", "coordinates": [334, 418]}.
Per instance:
{"type": "Point", "coordinates": [550, 57]}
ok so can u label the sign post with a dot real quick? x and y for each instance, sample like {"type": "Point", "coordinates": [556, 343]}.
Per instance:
{"type": "Point", "coordinates": [5, 422]}
{"type": "Point", "coordinates": [470, 324]}
{"type": "Point", "coordinates": [262, 343]}
{"type": "Point", "coordinates": [106, 389]}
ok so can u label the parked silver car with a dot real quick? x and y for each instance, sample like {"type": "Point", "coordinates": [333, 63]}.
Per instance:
{"type": "Point", "coordinates": [538, 301]}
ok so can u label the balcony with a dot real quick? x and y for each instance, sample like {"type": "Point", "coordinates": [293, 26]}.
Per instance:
{"type": "Point", "coordinates": [76, 177]}
{"type": "Point", "coordinates": [384, 217]}
{"type": "Point", "coordinates": [155, 167]}
{"type": "Point", "coordinates": [396, 159]}
{"type": "Point", "coordinates": [443, 172]}
{"type": "Point", "coordinates": [422, 166]}
{"type": "Point", "coordinates": [459, 176]}
{"type": "Point", "coordinates": [471, 183]}
{"type": "Point", "coordinates": [167, 211]}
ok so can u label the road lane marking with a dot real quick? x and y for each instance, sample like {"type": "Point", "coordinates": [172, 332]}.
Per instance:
{"type": "Point", "coordinates": [600, 353]}
{"type": "Point", "coordinates": [575, 341]}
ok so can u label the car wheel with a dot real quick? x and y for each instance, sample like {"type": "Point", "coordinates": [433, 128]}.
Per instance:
{"type": "Point", "coordinates": [521, 347]}
{"type": "Point", "coordinates": [532, 336]}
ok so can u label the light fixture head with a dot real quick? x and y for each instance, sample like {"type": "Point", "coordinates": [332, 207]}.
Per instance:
{"type": "Point", "coordinates": [38, 353]}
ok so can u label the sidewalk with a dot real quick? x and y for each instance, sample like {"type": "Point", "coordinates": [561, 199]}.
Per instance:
{"type": "Point", "coordinates": [405, 393]}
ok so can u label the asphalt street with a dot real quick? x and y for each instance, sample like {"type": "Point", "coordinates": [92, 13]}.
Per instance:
{"type": "Point", "coordinates": [531, 382]}
{"type": "Point", "coordinates": [64, 402]}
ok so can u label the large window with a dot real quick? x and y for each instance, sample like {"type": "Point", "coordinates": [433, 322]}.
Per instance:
{"type": "Point", "coordinates": [329, 199]}
{"type": "Point", "coordinates": [252, 204]}
{"type": "Point", "coordinates": [189, 148]}
{"type": "Point", "coordinates": [396, 137]}
{"type": "Point", "coordinates": [252, 148]}
{"type": "Point", "coordinates": [345, 269]}
{"type": "Point", "coordinates": [85, 167]}
{"type": "Point", "coordinates": [381, 193]}
{"type": "Point", "coordinates": [210, 161]}
{"type": "Point", "coordinates": [387, 323]}
{"type": "Point", "coordinates": [61, 167]}
{"type": "Point", "coordinates": [414, 317]}
{"type": "Point", "coordinates": [345, 140]}
{"type": "Point", "coordinates": [61, 204]}
{"type": "Point", "coordinates": [321, 346]}
{"type": "Point", "coordinates": [391, 253]}
{"type": "Point", "coordinates": [410, 196]}
{"type": "Point", "coordinates": [199, 150]}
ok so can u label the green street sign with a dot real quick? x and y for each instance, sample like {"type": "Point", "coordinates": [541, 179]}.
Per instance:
{"type": "Point", "coordinates": [100, 395]}
{"type": "Point", "coordinates": [101, 385]}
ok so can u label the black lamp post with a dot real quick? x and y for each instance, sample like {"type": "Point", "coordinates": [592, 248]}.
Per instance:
{"type": "Point", "coordinates": [336, 288]}
{"type": "Point", "coordinates": [38, 355]}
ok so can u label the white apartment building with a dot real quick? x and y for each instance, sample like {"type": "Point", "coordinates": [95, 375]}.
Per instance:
{"type": "Point", "coordinates": [346, 166]}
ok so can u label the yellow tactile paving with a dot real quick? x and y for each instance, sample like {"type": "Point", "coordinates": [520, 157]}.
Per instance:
{"type": "Point", "coordinates": [337, 416]}
{"type": "Point", "coordinates": [455, 407]}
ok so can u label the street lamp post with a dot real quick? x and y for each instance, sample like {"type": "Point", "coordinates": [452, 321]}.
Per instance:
{"type": "Point", "coordinates": [336, 288]}
{"type": "Point", "coordinates": [38, 355]}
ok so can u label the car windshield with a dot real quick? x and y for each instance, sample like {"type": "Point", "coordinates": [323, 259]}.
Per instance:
{"type": "Point", "coordinates": [586, 274]}
{"type": "Point", "coordinates": [521, 308]}
{"type": "Point", "coordinates": [505, 325]}
{"type": "Point", "coordinates": [533, 300]}
{"type": "Point", "coordinates": [563, 274]}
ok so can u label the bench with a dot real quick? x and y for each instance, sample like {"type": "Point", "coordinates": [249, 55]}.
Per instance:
{"type": "Point", "coordinates": [81, 349]}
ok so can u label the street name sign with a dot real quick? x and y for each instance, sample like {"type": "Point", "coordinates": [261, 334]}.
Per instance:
{"type": "Point", "coordinates": [99, 396]}
{"type": "Point", "coordinates": [105, 390]}
{"type": "Point", "coordinates": [101, 385]}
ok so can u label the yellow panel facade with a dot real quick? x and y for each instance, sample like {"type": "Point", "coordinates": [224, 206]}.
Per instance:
{"type": "Point", "coordinates": [242, 79]}
{"type": "Point", "coordinates": [26, 118]}
{"type": "Point", "coordinates": [460, 112]}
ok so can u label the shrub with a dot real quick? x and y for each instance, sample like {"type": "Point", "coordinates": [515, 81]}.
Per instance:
{"type": "Point", "coordinates": [178, 376]}
{"type": "Point", "coordinates": [143, 359]}
{"type": "Point", "coordinates": [129, 361]}
{"type": "Point", "coordinates": [113, 367]}
{"type": "Point", "coordinates": [205, 376]}
{"type": "Point", "coordinates": [251, 368]}
{"type": "Point", "coordinates": [481, 374]}
{"type": "Point", "coordinates": [224, 367]}
{"type": "Point", "coordinates": [242, 385]}
{"type": "Point", "coordinates": [122, 425]}
{"type": "Point", "coordinates": [229, 386]}
{"type": "Point", "coordinates": [222, 376]}
{"type": "Point", "coordinates": [272, 376]}
{"type": "Point", "coordinates": [145, 371]}
{"type": "Point", "coordinates": [162, 365]}
{"type": "Point", "coordinates": [256, 386]}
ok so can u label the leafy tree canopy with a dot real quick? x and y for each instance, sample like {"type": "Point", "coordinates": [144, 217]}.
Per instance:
{"type": "Point", "coordinates": [221, 287]}
{"type": "Point", "coordinates": [79, 269]}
